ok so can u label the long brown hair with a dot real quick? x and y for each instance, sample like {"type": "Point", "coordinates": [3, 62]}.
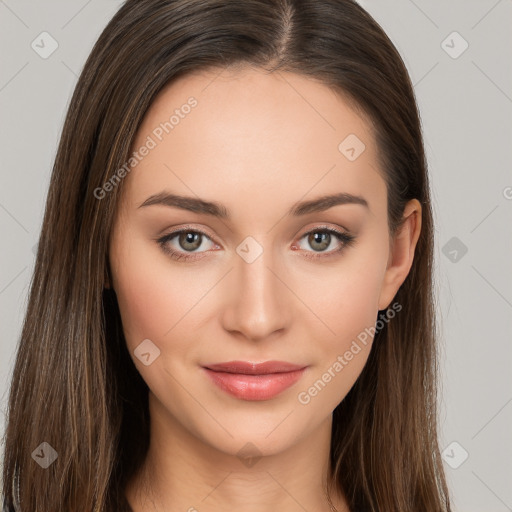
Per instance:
{"type": "Point", "coordinates": [74, 384]}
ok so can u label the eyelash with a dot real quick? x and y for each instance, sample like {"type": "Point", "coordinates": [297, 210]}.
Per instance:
{"type": "Point", "coordinates": [346, 238]}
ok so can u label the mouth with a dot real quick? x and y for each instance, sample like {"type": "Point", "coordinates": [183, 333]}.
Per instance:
{"type": "Point", "coordinates": [254, 381]}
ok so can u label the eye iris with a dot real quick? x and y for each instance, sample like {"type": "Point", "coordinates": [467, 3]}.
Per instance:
{"type": "Point", "coordinates": [314, 238]}
{"type": "Point", "coordinates": [190, 237]}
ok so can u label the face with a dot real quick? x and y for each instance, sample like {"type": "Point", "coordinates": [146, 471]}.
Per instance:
{"type": "Point", "coordinates": [254, 278]}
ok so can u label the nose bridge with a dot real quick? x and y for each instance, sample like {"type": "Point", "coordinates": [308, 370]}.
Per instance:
{"type": "Point", "coordinates": [257, 302]}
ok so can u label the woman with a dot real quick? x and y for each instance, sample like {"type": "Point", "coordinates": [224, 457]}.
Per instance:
{"type": "Point", "coordinates": [232, 304]}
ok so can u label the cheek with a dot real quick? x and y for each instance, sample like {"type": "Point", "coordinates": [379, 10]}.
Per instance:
{"type": "Point", "coordinates": [146, 301]}
{"type": "Point", "coordinates": [155, 295]}
{"type": "Point", "coordinates": [348, 299]}
{"type": "Point", "coordinates": [350, 313]}
{"type": "Point", "coordinates": [348, 305]}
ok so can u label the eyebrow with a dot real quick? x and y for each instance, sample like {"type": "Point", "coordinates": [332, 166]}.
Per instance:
{"type": "Point", "coordinates": [215, 209]}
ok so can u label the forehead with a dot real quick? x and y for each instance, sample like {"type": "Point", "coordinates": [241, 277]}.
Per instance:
{"type": "Point", "coordinates": [254, 133]}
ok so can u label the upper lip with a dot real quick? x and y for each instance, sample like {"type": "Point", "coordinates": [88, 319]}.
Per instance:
{"type": "Point", "coordinates": [249, 368]}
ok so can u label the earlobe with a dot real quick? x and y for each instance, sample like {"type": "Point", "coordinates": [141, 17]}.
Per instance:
{"type": "Point", "coordinates": [401, 253]}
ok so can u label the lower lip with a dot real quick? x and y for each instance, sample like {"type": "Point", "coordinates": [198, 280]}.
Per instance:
{"type": "Point", "coordinates": [254, 387]}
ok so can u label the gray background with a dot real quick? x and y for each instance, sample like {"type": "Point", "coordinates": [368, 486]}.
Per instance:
{"type": "Point", "coordinates": [465, 101]}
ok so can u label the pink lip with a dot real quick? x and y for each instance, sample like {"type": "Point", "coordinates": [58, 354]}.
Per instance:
{"type": "Point", "coordinates": [254, 381]}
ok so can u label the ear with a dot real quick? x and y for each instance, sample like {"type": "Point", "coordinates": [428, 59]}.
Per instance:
{"type": "Point", "coordinates": [401, 253]}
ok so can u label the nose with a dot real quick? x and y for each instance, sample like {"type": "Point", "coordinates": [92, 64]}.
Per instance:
{"type": "Point", "coordinates": [258, 299]}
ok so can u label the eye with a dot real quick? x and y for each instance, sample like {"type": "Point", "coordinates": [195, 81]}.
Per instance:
{"type": "Point", "coordinates": [190, 240]}
{"type": "Point", "coordinates": [321, 238]}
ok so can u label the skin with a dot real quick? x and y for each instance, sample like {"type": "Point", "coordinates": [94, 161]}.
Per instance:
{"type": "Point", "coordinates": [257, 143]}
